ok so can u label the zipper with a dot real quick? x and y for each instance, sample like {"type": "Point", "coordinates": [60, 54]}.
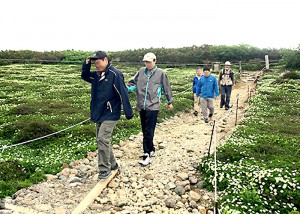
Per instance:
{"type": "Point", "coordinates": [146, 93]}
{"type": "Point", "coordinates": [109, 106]}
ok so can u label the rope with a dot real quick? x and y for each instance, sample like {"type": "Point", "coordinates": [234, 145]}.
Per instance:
{"type": "Point", "coordinates": [182, 92]}
{"type": "Point", "coordinates": [214, 133]}
{"type": "Point", "coordinates": [39, 138]}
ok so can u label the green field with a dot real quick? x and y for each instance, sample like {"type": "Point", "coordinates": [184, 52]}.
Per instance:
{"type": "Point", "coordinates": [258, 166]}
{"type": "Point", "coordinates": [37, 100]}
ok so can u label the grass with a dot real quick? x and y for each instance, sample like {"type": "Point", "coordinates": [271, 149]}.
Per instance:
{"type": "Point", "coordinates": [36, 100]}
{"type": "Point", "coordinates": [258, 166]}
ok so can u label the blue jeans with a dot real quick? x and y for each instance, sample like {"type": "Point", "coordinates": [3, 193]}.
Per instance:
{"type": "Point", "coordinates": [148, 122]}
{"type": "Point", "coordinates": [225, 95]}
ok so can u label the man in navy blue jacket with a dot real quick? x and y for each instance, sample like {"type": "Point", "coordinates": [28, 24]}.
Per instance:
{"type": "Point", "coordinates": [107, 94]}
{"type": "Point", "coordinates": [207, 89]}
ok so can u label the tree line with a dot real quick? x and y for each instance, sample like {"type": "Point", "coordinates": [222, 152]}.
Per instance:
{"type": "Point", "coordinates": [204, 54]}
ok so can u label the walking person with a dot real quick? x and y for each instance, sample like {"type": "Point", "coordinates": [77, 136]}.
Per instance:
{"type": "Point", "coordinates": [207, 89]}
{"type": "Point", "coordinates": [196, 99]}
{"type": "Point", "coordinates": [149, 83]}
{"type": "Point", "coordinates": [108, 92]}
{"type": "Point", "coordinates": [226, 82]}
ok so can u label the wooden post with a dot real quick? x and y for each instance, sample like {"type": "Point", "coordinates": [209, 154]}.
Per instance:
{"type": "Point", "coordinates": [211, 137]}
{"type": "Point", "coordinates": [267, 62]}
{"type": "Point", "coordinates": [237, 107]}
{"type": "Point", "coordinates": [94, 193]}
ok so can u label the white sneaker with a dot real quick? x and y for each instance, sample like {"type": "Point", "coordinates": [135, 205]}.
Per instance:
{"type": "Point", "coordinates": [152, 154]}
{"type": "Point", "coordinates": [146, 160]}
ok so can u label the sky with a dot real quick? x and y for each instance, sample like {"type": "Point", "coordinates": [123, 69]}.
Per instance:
{"type": "Point", "coordinates": [114, 25]}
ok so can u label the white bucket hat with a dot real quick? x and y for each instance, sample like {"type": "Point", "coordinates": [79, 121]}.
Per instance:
{"type": "Point", "coordinates": [227, 63]}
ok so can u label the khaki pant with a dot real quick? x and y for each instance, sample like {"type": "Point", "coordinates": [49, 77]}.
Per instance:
{"type": "Point", "coordinates": [106, 158]}
{"type": "Point", "coordinates": [196, 103]}
{"type": "Point", "coordinates": [207, 103]}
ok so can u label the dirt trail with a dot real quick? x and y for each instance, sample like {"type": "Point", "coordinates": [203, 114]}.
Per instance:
{"type": "Point", "coordinates": [171, 184]}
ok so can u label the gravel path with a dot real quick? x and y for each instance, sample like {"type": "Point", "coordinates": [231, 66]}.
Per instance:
{"type": "Point", "coordinates": [170, 184]}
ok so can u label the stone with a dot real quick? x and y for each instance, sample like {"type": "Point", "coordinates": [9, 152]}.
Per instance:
{"type": "Point", "coordinates": [200, 184]}
{"type": "Point", "coordinates": [118, 154]}
{"type": "Point", "coordinates": [161, 146]}
{"type": "Point", "coordinates": [75, 184]}
{"type": "Point", "coordinates": [116, 146]}
{"type": "Point", "coordinates": [194, 196]}
{"type": "Point", "coordinates": [131, 138]}
{"type": "Point", "coordinates": [149, 176]}
{"type": "Point", "coordinates": [86, 161]}
{"type": "Point", "coordinates": [202, 210]}
{"type": "Point", "coordinates": [179, 205]}
{"type": "Point", "coordinates": [122, 198]}
{"type": "Point", "coordinates": [122, 143]}
{"type": "Point", "coordinates": [132, 145]}
{"type": "Point", "coordinates": [170, 202]}
{"type": "Point", "coordinates": [113, 184]}
{"type": "Point", "coordinates": [206, 197]}
{"type": "Point", "coordinates": [51, 177]}
{"type": "Point", "coordinates": [65, 165]}
{"type": "Point", "coordinates": [193, 204]}
{"type": "Point", "coordinates": [193, 180]}
{"type": "Point", "coordinates": [183, 176]}
{"type": "Point", "coordinates": [92, 154]}
{"type": "Point", "coordinates": [170, 186]}
{"type": "Point", "coordinates": [125, 180]}
{"type": "Point", "coordinates": [183, 183]}
{"type": "Point", "coordinates": [74, 180]}
{"type": "Point", "coordinates": [60, 211]}
{"type": "Point", "coordinates": [65, 172]}
{"type": "Point", "coordinates": [179, 190]}
{"type": "Point", "coordinates": [43, 207]}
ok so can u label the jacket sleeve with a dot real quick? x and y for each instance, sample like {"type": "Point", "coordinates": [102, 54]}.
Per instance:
{"type": "Point", "coordinates": [216, 87]}
{"type": "Point", "coordinates": [198, 88]}
{"type": "Point", "coordinates": [167, 88]}
{"type": "Point", "coordinates": [131, 86]}
{"type": "Point", "coordinates": [220, 77]}
{"type": "Point", "coordinates": [194, 85]}
{"type": "Point", "coordinates": [85, 72]}
{"type": "Point", "coordinates": [232, 78]}
{"type": "Point", "coordinates": [123, 93]}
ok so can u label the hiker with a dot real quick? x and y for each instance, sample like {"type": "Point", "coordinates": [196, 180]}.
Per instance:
{"type": "Point", "coordinates": [226, 82]}
{"type": "Point", "coordinates": [207, 89]}
{"type": "Point", "coordinates": [196, 99]}
{"type": "Point", "coordinates": [149, 83]}
{"type": "Point", "coordinates": [108, 92]}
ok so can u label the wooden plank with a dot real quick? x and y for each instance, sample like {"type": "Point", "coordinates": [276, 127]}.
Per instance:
{"type": "Point", "coordinates": [94, 193]}
{"type": "Point", "coordinates": [23, 210]}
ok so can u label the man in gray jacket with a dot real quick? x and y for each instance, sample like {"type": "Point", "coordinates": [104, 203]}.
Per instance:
{"type": "Point", "coordinates": [149, 83]}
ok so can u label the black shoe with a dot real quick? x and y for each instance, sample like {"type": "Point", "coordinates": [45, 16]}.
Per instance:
{"type": "Point", "coordinates": [221, 106]}
{"type": "Point", "coordinates": [210, 116]}
{"type": "Point", "coordinates": [206, 120]}
{"type": "Point", "coordinates": [226, 108]}
{"type": "Point", "coordinates": [104, 174]}
{"type": "Point", "coordinates": [195, 113]}
{"type": "Point", "coordinates": [115, 167]}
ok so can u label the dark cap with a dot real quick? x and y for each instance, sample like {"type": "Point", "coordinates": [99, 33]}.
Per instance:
{"type": "Point", "coordinates": [206, 69]}
{"type": "Point", "coordinates": [98, 55]}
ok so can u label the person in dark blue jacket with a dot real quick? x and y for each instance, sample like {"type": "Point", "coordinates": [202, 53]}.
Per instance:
{"type": "Point", "coordinates": [196, 99]}
{"type": "Point", "coordinates": [207, 89]}
{"type": "Point", "coordinates": [108, 92]}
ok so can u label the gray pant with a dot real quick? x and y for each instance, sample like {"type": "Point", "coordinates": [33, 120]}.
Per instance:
{"type": "Point", "coordinates": [106, 158]}
{"type": "Point", "coordinates": [207, 103]}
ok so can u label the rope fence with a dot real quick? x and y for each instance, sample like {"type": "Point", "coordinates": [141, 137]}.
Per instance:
{"type": "Point", "coordinates": [213, 138]}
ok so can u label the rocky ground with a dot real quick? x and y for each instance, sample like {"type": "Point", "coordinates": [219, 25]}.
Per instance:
{"type": "Point", "coordinates": [170, 184]}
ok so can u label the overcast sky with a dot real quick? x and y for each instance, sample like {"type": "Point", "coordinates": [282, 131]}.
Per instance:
{"type": "Point", "coordinates": [113, 25]}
